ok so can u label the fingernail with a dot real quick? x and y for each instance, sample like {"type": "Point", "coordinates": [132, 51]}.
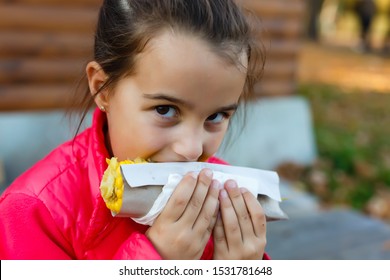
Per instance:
{"type": "Point", "coordinates": [223, 194]}
{"type": "Point", "coordinates": [193, 175]}
{"type": "Point", "coordinates": [230, 184]}
{"type": "Point", "coordinates": [216, 184]}
{"type": "Point", "coordinates": [244, 190]}
{"type": "Point", "coordinates": [208, 173]}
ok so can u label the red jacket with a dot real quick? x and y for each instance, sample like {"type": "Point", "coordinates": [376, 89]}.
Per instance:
{"type": "Point", "coordinates": [55, 210]}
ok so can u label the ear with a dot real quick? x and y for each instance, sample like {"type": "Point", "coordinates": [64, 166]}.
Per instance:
{"type": "Point", "coordinates": [96, 79]}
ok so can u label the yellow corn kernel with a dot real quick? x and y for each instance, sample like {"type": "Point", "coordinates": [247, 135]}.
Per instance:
{"type": "Point", "coordinates": [111, 186]}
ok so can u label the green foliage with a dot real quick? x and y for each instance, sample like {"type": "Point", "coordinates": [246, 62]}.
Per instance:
{"type": "Point", "coordinates": [352, 131]}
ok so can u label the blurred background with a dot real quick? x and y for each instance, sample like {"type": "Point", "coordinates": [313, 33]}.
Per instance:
{"type": "Point", "coordinates": [320, 117]}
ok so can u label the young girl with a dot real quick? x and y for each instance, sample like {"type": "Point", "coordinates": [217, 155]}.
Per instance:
{"type": "Point", "coordinates": [167, 76]}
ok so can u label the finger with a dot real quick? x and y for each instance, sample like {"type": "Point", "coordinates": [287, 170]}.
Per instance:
{"type": "Point", "coordinates": [219, 234]}
{"type": "Point", "coordinates": [208, 215]}
{"type": "Point", "coordinates": [179, 199]}
{"type": "Point", "coordinates": [197, 200]}
{"type": "Point", "coordinates": [256, 212]}
{"type": "Point", "coordinates": [243, 216]}
{"type": "Point", "coordinates": [230, 221]}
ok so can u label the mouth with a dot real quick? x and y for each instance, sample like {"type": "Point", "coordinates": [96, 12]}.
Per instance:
{"type": "Point", "coordinates": [153, 160]}
{"type": "Point", "coordinates": [165, 161]}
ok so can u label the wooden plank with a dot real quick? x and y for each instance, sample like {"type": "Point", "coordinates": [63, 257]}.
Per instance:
{"type": "Point", "coordinates": [23, 18]}
{"type": "Point", "coordinates": [56, 3]}
{"type": "Point", "coordinates": [279, 28]}
{"type": "Point", "coordinates": [275, 8]}
{"type": "Point", "coordinates": [274, 88]}
{"type": "Point", "coordinates": [278, 70]}
{"type": "Point", "coordinates": [276, 27]}
{"type": "Point", "coordinates": [282, 49]}
{"type": "Point", "coordinates": [40, 70]}
{"type": "Point", "coordinates": [35, 97]}
{"type": "Point", "coordinates": [44, 44]}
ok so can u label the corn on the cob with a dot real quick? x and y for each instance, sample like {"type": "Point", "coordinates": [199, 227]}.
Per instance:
{"type": "Point", "coordinates": [111, 186]}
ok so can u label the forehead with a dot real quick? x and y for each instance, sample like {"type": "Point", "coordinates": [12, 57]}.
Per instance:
{"type": "Point", "coordinates": [187, 65]}
{"type": "Point", "coordinates": [173, 44]}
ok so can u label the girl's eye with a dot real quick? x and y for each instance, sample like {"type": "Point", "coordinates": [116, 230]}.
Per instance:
{"type": "Point", "coordinates": [166, 111]}
{"type": "Point", "coordinates": [217, 117]}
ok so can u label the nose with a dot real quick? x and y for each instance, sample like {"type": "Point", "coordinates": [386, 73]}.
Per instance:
{"type": "Point", "coordinates": [189, 145]}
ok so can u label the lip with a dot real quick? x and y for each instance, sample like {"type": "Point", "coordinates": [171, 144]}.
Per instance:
{"type": "Point", "coordinates": [200, 159]}
{"type": "Point", "coordinates": [163, 161]}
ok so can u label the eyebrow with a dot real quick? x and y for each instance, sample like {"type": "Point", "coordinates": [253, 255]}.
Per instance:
{"type": "Point", "coordinates": [166, 97]}
{"type": "Point", "coordinates": [163, 96]}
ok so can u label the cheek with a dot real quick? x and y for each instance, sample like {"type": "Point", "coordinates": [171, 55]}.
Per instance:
{"type": "Point", "coordinates": [143, 145]}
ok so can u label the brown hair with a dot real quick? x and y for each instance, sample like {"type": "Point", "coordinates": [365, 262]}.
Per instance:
{"type": "Point", "coordinates": [125, 26]}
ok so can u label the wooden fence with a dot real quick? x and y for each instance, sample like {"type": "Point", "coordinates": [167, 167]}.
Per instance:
{"type": "Point", "coordinates": [44, 45]}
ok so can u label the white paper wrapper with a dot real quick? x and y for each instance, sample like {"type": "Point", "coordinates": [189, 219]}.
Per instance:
{"type": "Point", "coordinates": [149, 186]}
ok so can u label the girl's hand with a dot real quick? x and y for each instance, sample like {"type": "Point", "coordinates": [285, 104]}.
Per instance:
{"type": "Point", "coordinates": [185, 225]}
{"type": "Point", "coordinates": [240, 230]}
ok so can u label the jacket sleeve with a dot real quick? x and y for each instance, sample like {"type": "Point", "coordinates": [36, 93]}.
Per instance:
{"type": "Point", "coordinates": [137, 247]}
{"type": "Point", "coordinates": [266, 257]}
{"type": "Point", "coordinates": [28, 231]}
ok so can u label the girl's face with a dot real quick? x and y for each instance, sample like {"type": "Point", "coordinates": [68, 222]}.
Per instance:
{"type": "Point", "coordinates": [177, 104]}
